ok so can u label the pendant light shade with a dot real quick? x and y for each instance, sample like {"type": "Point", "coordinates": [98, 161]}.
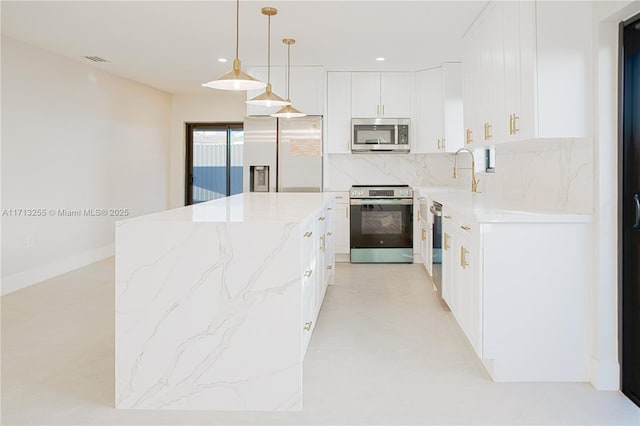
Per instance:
{"type": "Point", "coordinates": [288, 111]}
{"type": "Point", "coordinates": [268, 98]}
{"type": "Point", "coordinates": [235, 79]}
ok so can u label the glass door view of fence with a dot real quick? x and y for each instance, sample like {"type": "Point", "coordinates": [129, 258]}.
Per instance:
{"type": "Point", "coordinates": [214, 161]}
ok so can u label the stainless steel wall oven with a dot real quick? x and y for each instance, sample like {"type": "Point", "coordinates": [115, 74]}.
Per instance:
{"type": "Point", "coordinates": [381, 224]}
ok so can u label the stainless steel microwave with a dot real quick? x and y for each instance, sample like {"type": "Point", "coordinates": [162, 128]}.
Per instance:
{"type": "Point", "coordinates": [380, 135]}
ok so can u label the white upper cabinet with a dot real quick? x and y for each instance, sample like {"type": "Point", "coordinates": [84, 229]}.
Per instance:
{"type": "Point", "coordinates": [525, 72]}
{"type": "Point", "coordinates": [307, 88]}
{"type": "Point", "coordinates": [338, 112]}
{"type": "Point", "coordinates": [375, 94]}
{"type": "Point", "coordinates": [429, 119]}
{"type": "Point", "coordinates": [439, 119]}
{"type": "Point", "coordinates": [453, 138]}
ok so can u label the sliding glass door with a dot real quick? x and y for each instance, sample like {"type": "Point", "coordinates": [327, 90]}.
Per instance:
{"type": "Point", "coordinates": [214, 161]}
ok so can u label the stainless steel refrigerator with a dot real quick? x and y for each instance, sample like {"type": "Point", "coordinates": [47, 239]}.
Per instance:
{"type": "Point", "coordinates": [282, 154]}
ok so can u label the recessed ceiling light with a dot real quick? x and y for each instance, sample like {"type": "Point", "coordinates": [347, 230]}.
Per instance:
{"type": "Point", "coordinates": [380, 59]}
{"type": "Point", "coordinates": [222, 59]}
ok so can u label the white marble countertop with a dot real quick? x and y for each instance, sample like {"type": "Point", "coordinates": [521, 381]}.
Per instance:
{"type": "Point", "coordinates": [492, 211]}
{"type": "Point", "coordinates": [245, 207]}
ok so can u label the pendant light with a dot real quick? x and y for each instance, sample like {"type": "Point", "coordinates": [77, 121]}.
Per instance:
{"type": "Point", "coordinates": [268, 98]}
{"type": "Point", "coordinates": [288, 111]}
{"type": "Point", "coordinates": [235, 79]}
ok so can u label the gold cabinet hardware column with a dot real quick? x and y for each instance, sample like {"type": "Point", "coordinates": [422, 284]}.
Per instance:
{"type": "Point", "coordinates": [468, 136]}
{"type": "Point", "coordinates": [463, 257]}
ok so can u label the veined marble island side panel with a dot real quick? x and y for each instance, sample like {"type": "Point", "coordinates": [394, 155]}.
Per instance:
{"type": "Point", "coordinates": [208, 305]}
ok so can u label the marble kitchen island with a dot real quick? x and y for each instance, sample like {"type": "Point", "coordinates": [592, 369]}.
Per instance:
{"type": "Point", "coordinates": [216, 302]}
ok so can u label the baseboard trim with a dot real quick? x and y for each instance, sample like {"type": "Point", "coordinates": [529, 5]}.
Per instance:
{"type": "Point", "coordinates": [33, 276]}
{"type": "Point", "coordinates": [605, 375]}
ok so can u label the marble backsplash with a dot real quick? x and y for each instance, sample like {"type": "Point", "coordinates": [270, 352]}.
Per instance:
{"type": "Point", "coordinates": [548, 175]}
{"type": "Point", "coordinates": [344, 170]}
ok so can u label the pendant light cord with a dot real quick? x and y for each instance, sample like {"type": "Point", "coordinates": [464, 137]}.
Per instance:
{"type": "Point", "coordinates": [237, 27]}
{"type": "Point", "coordinates": [269, 53]}
{"type": "Point", "coordinates": [288, 69]}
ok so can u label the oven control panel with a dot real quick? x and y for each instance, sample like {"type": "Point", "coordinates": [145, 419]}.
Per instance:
{"type": "Point", "coordinates": [381, 192]}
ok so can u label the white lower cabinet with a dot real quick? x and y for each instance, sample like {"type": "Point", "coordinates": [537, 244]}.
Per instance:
{"type": "Point", "coordinates": [519, 291]}
{"type": "Point", "coordinates": [342, 227]}
{"type": "Point", "coordinates": [448, 259]}
{"type": "Point", "coordinates": [424, 238]}
{"type": "Point", "coordinates": [318, 266]}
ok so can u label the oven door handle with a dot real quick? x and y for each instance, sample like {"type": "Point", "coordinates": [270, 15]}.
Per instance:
{"type": "Point", "coordinates": [385, 201]}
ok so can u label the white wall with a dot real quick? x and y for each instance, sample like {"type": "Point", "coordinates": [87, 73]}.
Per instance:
{"type": "Point", "coordinates": [73, 137]}
{"type": "Point", "coordinates": [212, 106]}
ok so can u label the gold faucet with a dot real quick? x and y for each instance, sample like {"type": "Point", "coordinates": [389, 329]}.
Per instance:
{"type": "Point", "coordinates": [474, 181]}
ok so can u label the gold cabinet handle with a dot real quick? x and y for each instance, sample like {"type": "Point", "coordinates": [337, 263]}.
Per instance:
{"type": "Point", "coordinates": [308, 273]}
{"type": "Point", "coordinates": [463, 257]}
{"type": "Point", "coordinates": [487, 131]}
{"type": "Point", "coordinates": [444, 143]}
{"type": "Point", "coordinates": [466, 228]}
{"type": "Point", "coordinates": [424, 234]}
{"type": "Point", "coordinates": [516, 129]}
{"type": "Point", "coordinates": [438, 144]}
{"type": "Point", "coordinates": [329, 208]}
{"type": "Point", "coordinates": [447, 217]}
{"type": "Point", "coordinates": [510, 124]}
{"type": "Point", "coordinates": [469, 136]}
{"type": "Point", "coordinates": [382, 109]}
{"type": "Point", "coordinates": [446, 241]}
{"type": "Point", "coordinates": [307, 325]}
{"type": "Point", "coordinates": [330, 267]}
{"type": "Point", "coordinates": [308, 234]}
{"type": "Point", "coordinates": [329, 234]}
{"type": "Point", "coordinates": [323, 246]}
{"type": "Point", "coordinates": [321, 218]}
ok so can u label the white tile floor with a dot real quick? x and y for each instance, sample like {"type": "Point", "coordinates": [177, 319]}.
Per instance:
{"type": "Point", "coordinates": [384, 352]}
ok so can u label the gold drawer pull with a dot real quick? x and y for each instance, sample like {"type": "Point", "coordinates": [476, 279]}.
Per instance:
{"type": "Point", "coordinates": [446, 241]}
{"type": "Point", "coordinates": [447, 217]}
{"type": "Point", "coordinates": [487, 131]}
{"type": "Point", "coordinates": [321, 218]}
{"type": "Point", "coordinates": [330, 267]}
{"type": "Point", "coordinates": [308, 273]}
{"type": "Point", "coordinates": [466, 228]}
{"type": "Point", "coordinates": [469, 136]}
{"type": "Point", "coordinates": [424, 234]}
{"type": "Point", "coordinates": [308, 234]}
{"type": "Point", "coordinates": [463, 257]}
{"type": "Point", "coordinates": [307, 325]}
{"type": "Point", "coordinates": [516, 129]}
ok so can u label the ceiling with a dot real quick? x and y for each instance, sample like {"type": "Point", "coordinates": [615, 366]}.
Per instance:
{"type": "Point", "coordinates": [174, 45]}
